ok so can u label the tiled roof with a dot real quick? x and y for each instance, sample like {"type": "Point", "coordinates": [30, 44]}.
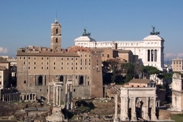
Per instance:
{"type": "Point", "coordinates": [140, 81]}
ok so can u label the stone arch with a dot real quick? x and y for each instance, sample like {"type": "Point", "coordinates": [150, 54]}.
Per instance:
{"type": "Point", "coordinates": [56, 30]}
{"type": "Point", "coordinates": [139, 105]}
{"type": "Point", "coordinates": [40, 80]}
{"type": "Point", "coordinates": [81, 80]}
{"type": "Point", "coordinates": [56, 40]}
{"type": "Point", "coordinates": [61, 78]}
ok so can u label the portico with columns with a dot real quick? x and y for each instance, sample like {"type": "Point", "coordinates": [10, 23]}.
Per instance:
{"type": "Point", "coordinates": [55, 93]}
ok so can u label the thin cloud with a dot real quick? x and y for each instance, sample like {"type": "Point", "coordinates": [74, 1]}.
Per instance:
{"type": "Point", "coordinates": [173, 55]}
{"type": "Point", "coordinates": [3, 50]}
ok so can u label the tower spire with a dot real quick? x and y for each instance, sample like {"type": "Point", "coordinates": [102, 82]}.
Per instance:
{"type": "Point", "coordinates": [56, 18]}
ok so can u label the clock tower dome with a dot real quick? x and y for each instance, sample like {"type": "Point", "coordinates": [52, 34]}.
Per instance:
{"type": "Point", "coordinates": [56, 36]}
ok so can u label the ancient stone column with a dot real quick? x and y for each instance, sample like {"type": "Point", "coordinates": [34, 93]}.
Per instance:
{"type": "Point", "coordinates": [67, 97]}
{"type": "Point", "coordinates": [124, 109]}
{"type": "Point", "coordinates": [133, 109]}
{"type": "Point", "coordinates": [70, 94]}
{"type": "Point", "coordinates": [29, 97]}
{"type": "Point", "coordinates": [59, 95]}
{"type": "Point", "coordinates": [116, 109]}
{"type": "Point", "coordinates": [146, 108]}
{"type": "Point", "coordinates": [48, 97]}
{"type": "Point", "coordinates": [53, 95]}
{"type": "Point", "coordinates": [153, 109]}
{"type": "Point", "coordinates": [56, 95]}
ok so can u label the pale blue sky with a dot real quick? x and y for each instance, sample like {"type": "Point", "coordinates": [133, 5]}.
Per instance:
{"type": "Point", "coordinates": [24, 23]}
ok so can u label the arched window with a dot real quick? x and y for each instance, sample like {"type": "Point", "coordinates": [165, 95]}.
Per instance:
{"type": "Point", "coordinates": [40, 81]}
{"type": "Point", "coordinates": [61, 78]}
{"type": "Point", "coordinates": [57, 31]}
{"type": "Point", "coordinates": [81, 80]}
{"type": "Point", "coordinates": [56, 40]}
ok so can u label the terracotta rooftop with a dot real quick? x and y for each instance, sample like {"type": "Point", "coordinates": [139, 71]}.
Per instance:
{"type": "Point", "coordinates": [78, 48]}
{"type": "Point", "coordinates": [145, 81]}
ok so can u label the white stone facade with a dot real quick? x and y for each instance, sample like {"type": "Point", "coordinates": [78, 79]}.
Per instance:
{"type": "Point", "coordinates": [136, 103]}
{"type": "Point", "coordinates": [177, 92]}
{"type": "Point", "coordinates": [150, 50]}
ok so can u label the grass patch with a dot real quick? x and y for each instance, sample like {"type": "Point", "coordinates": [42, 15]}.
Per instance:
{"type": "Point", "coordinates": [177, 118]}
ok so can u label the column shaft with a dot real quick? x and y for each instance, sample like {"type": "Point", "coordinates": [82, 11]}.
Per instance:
{"type": "Point", "coordinates": [133, 109]}
{"type": "Point", "coordinates": [53, 95]}
{"type": "Point", "coordinates": [48, 94]}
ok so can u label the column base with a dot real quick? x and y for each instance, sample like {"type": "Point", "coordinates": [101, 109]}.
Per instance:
{"type": "Point", "coordinates": [125, 119]}
{"type": "Point", "coordinates": [154, 118]}
{"type": "Point", "coordinates": [146, 117]}
{"type": "Point", "coordinates": [134, 119]}
{"type": "Point", "coordinates": [116, 120]}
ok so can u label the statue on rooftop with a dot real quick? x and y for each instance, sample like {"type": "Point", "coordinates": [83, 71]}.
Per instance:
{"type": "Point", "coordinates": [153, 31]}
{"type": "Point", "coordinates": [86, 34]}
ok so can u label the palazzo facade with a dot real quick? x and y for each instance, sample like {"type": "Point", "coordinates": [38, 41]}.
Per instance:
{"type": "Point", "coordinates": [150, 50]}
{"type": "Point", "coordinates": [38, 66]}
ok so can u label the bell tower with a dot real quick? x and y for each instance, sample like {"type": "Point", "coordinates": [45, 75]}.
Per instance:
{"type": "Point", "coordinates": [56, 36]}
